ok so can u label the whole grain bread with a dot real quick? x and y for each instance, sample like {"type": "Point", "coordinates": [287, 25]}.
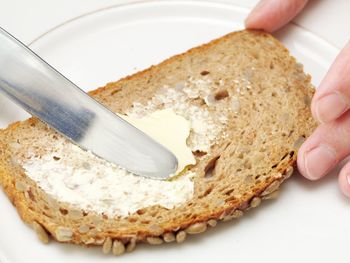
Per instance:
{"type": "Point", "coordinates": [255, 92]}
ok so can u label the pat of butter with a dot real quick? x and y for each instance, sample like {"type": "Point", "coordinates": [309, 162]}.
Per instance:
{"type": "Point", "coordinates": [170, 130]}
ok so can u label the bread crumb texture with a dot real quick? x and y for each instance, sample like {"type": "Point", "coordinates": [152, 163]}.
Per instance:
{"type": "Point", "coordinates": [247, 101]}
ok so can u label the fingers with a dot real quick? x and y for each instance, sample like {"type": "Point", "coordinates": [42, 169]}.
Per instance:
{"type": "Point", "coordinates": [332, 98]}
{"type": "Point", "coordinates": [344, 179]}
{"type": "Point", "coordinates": [271, 15]}
{"type": "Point", "coordinates": [329, 144]}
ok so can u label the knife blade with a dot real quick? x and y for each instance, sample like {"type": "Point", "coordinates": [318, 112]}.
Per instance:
{"type": "Point", "coordinates": [45, 93]}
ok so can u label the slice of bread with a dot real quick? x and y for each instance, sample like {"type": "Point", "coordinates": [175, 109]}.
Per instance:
{"type": "Point", "coordinates": [248, 103]}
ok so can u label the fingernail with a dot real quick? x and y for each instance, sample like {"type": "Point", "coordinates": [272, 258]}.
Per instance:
{"type": "Point", "coordinates": [348, 178]}
{"type": "Point", "coordinates": [331, 107]}
{"type": "Point", "coordinates": [319, 161]}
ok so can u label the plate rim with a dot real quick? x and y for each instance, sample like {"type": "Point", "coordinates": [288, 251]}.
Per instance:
{"type": "Point", "coordinates": [137, 3]}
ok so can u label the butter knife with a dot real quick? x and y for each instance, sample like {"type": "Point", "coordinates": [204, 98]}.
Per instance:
{"type": "Point", "coordinates": [45, 93]}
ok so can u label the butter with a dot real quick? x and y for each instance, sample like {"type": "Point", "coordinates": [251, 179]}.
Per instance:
{"type": "Point", "coordinates": [170, 130]}
{"type": "Point", "coordinates": [205, 129]}
{"type": "Point", "coordinates": [93, 184]}
{"type": "Point", "coordinates": [85, 181]}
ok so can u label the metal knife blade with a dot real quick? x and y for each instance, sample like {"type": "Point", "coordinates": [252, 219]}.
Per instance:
{"type": "Point", "coordinates": [45, 93]}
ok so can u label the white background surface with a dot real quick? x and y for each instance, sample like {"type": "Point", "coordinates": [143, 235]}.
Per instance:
{"type": "Point", "coordinates": [308, 222]}
{"type": "Point", "coordinates": [29, 18]}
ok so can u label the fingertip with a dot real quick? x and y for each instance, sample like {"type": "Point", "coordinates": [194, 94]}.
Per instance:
{"type": "Point", "coordinates": [344, 180]}
{"type": "Point", "coordinates": [301, 161]}
{"type": "Point", "coordinates": [258, 18]}
{"type": "Point", "coordinates": [255, 22]}
{"type": "Point", "coordinates": [315, 159]}
{"type": "Point", "coordinates": [247, 23]}
{"type": "Point", "coordinates": [330, 107]}
{"type": "Point", "coordinates": [332, 97]}
{"type": "Point", "coordinates": [251, 22]}
{"type": "Point", "coordinates": [270, 15]}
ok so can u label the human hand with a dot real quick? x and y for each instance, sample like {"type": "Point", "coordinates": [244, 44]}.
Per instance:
{"type": "Point", "coordinates": [330, 142]}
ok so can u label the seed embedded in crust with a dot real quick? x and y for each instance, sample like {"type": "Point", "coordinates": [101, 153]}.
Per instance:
{"type": "Point", "coordinates": [154, 240]}
{"type": "Point", "coordinates": [63, 234]}
{"type": "Point", "coordinates": [273, 195]}
{"type": "Point", "coordinates": [233, 215]}
{"type": "Point", "coordinates": [89, 241]}
{"type": "Point", "coordinates": [220, 203]}
{"type": "Point", "coordinates": [26, 195]}
{"type": "Point", "coordinates": [20, 186]}
{"type": "Point", "coordinates": [210, 99]}
{"type": "Point", "coordinates": [176, 228]}
{"type": "Point", "coordinates": [41, 233]}
{"type": "Point", "coordinates": [52, 203]}
{"type": "Point", "coordinates": [222, 215]}
{"type": "Point", "coordinates": [181, 237]}
{"type": "Point", "coordinates": [100, 240]}
{"type": "Point", "coordinates": [96, 220]}
{"type": "Point", "coordinates": [75, 214]}
{"type": "Point", "coordinates": [155, 230]}
{"type": "Point", "coordinates": [118, 248]}
{"type": "Point", "coordinates": [83, 229]}
{"type": "Point", "coordinates": [255, 202]}
{"type": "Point", "coordinates": [237, 213]}
{"type": "Point", "coordinates": [271, 188]}
{"type": "Point", "coordinates": [196, 228]}
{"type": "Point", "coordinates": [289, 172]}
{"type": "Point", "coordinates": [131, 246]}
{"type": "Point", "coordinates": [169, 237]}
{"type": "Point", "coordinates": [93, 232]}
{"type": "Point", "coordinates": [212, 222]}
{"type": "Point", "coordinates": [107, 246]}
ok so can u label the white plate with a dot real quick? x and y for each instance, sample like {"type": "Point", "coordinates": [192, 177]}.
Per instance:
{"type": "Point", "coordinates": [310, 221]}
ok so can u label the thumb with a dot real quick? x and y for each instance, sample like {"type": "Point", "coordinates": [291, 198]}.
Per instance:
{"type": "Point", "coordinates": [271, 15]}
